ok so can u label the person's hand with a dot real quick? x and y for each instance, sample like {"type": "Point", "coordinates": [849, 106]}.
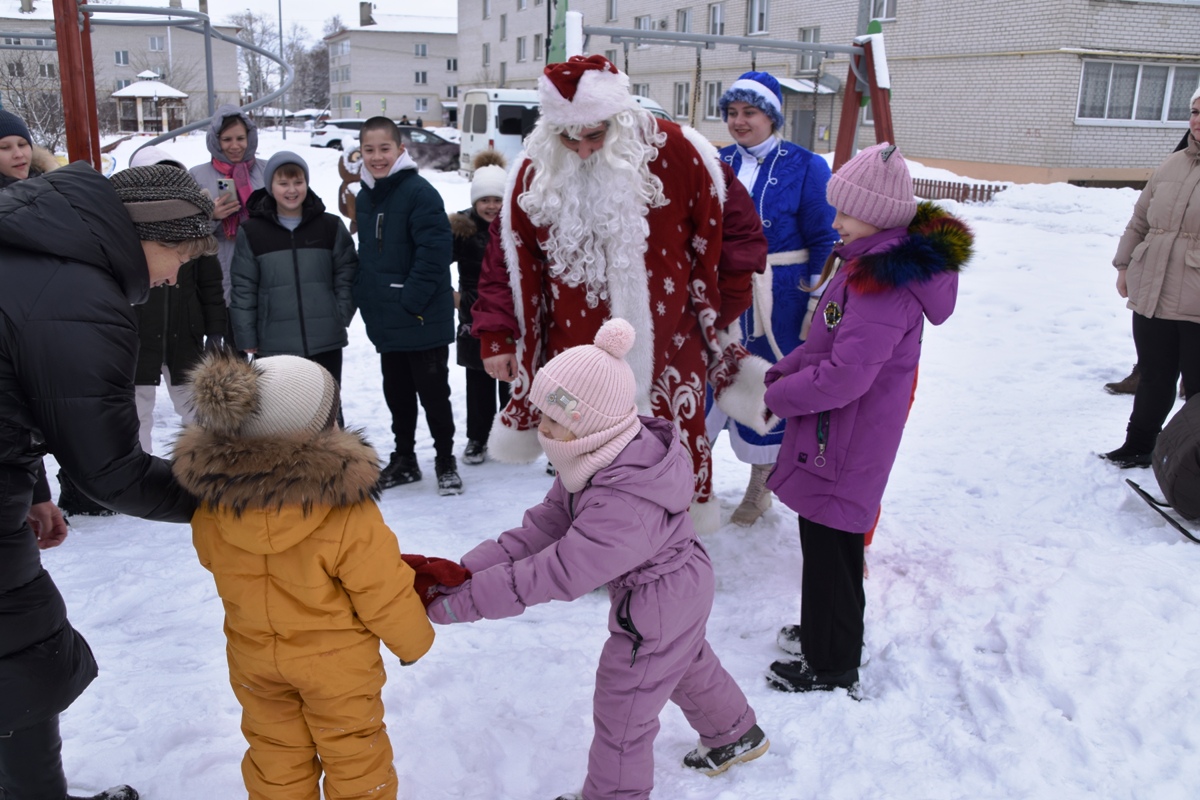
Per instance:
{"type": "Point", "coordinates": [48, 524]}
{"type": "Point", "coordinates": [225, 206]}
{"type": "Point", "coordinates": [501, 367]}
{"type": "Point", "coordinates": [1122, 288]}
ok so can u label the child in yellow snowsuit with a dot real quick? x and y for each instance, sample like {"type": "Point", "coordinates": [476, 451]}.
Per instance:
{"type": "Point", "coordinates": [310, 575]}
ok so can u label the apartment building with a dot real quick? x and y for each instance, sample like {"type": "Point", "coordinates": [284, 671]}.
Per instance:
{"type": "Point", "coordinates": [1090, 91]}
{"type": "Point", "coordinates": [395, 66]}
{"type": "Point", "coordinates": [119, 53]}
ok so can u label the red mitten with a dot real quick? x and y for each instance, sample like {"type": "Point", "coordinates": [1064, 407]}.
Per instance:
{"type": "Point", "coordinates": [434, 572]}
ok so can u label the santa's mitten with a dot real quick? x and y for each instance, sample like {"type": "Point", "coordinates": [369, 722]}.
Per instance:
{"type": "Point", "coordinates": [738, 379]}
{"type": "Point", "coordinates": [458, 606]}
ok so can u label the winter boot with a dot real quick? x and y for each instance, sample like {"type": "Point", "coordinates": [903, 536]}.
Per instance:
{"type": "Point", "coordinates": [1127, 385]}
{"type": "Point", "coordinates": [1128, 457]}
{"type": "Point", "coordinates": [797, 676]}
{"type": "Point", "coordinates": [448, 481]}
{"type": "Point", "coordinates": [401, 469]}
{"type": "Point", "coordinates": [788, 640]}
{"type": "Point", "coordinates": [115, 793]}
{"type": "Point", "coordinates": [713, 761]}
{"type": "Point", "coordinates": [475, 452]}
{"type": "Point", "coordinates": [757, 498]}
{"type": "Point", "coordinates": [73, 502]}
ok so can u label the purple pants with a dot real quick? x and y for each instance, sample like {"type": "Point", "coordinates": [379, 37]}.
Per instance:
{"type": "Point", "coordinates": [672, 661]}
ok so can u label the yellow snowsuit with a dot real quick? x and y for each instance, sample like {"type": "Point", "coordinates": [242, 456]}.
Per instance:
{"type": "Point", "coordinates": [311, 579]}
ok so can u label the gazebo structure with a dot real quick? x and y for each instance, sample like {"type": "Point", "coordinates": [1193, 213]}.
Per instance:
{"type": "Point", "coordinates": [150, 106]}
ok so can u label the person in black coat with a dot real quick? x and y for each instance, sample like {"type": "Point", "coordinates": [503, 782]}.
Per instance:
{"type": "Point", "coordinates": [76, 251]}
{"type": "Point", "coordinates": [470, 229]}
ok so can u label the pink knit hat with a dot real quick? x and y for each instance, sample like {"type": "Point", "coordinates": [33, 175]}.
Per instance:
{"type": "Point", "coordinates": [590, 388]}
{"type": "Point", "coordinates": [874, 187]}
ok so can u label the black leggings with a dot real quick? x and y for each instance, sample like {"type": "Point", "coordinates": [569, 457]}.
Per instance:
{"type": "Point", "coordinates": [31, 763]}
{"type": "Point", "coordinates": [832, 601]}
{"type": "Point", "coordinates": [1165, 349]}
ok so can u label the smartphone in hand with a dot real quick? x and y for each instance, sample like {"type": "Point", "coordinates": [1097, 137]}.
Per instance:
{"type": "Point", "coordinates": [224, 188]}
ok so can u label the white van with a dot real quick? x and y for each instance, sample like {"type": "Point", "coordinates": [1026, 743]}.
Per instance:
{"type": "Point", "coordinates": [500, 119]}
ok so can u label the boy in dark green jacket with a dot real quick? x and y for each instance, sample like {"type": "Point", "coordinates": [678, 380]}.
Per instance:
{"type": "Point", "coordinates": [403, 289]}
{"type": "Point", "coordinates": [292, 272]}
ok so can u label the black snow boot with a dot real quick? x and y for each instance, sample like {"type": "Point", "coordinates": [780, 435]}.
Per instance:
{"type": "Point", "coordinates": [401, 469]}
{"type": "Point", "coordinates": [73, 502]}
{"type": "Point", "coordinates": [475, 452]}
{"type": "Point", "coordinates": [448, 481]}
{"type": "Point", "coordinates": [115, 793]}
{"type": "Point", "coordinates": [797, 676]}
{"type": "Point", "coordinates": [715, 760]}
{"type": "Point", "coordinates": [1129, 457]}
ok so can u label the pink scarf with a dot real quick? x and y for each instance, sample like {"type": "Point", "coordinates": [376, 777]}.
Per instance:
{"type": "Point", "coordinates": [579, 459]}
{"type": "Point", "coordinates": [240, 173]}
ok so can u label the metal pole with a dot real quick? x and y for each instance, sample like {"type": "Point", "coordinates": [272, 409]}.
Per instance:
{"type": "Point", "coordinates": [283, 97]}
{"type": "Point", "coordinates": [71, 71]}
{"type": "Point", "coordinates": [208, 68]}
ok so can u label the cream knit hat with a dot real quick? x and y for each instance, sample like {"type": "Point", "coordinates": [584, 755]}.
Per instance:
{"type": "Point", "coordinates": [269, 397]}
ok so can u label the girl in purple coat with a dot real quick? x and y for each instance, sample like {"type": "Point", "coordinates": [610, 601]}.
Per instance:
{"type": "Point", "coordinates": [617, 515]}
{"type": "Point", "coordinates": [845, 393]}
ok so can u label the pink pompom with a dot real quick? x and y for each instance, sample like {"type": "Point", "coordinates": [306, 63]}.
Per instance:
{"type": "Point", "coordinates": [615, 337]}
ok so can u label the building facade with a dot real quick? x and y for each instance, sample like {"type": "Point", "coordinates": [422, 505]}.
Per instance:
{"type": "Point", "coordinates": [395, 66]}
{"type": "Point", "coordinates": [1089, 91]}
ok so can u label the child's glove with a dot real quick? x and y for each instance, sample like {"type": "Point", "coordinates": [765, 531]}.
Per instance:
{"type": "Point", "coordinates": [453, 605]}
{"type": "Point", "coordinates": [433, 573]}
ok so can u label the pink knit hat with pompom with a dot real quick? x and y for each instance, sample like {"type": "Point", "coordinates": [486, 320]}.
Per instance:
{"type": "Point", "coordinates": [590, 388]}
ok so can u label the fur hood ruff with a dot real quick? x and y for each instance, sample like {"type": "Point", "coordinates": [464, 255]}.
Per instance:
{"type": "Point", "coordinates": [937, 242]}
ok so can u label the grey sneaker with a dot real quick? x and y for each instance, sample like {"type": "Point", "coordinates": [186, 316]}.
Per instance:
{"type": "Point", "coordinates": [713, 761]}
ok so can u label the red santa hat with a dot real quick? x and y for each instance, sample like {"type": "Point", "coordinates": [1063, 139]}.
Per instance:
{"type": "Point", "coordinates": [583, 91]}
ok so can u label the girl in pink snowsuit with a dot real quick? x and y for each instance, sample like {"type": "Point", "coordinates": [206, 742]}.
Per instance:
{"type": "Point", "coordinates": [617, 515]}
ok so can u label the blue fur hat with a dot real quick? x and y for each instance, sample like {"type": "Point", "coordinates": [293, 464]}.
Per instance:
{"type": "Point", "coordinates": [759, 89]}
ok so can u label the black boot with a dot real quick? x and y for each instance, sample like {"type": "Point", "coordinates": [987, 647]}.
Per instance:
{"type": "Point", "coordinates": [715, 760]}
{"type": "Point", "coordinates": [73, 502]}
{"type": "Point", "coordinates": [121, 792]}
{"type": "Point", "coordinates": [797, 676]}
{"type": "Point", "coordinates": [401, 469]}
{"type": "Point", "coordinates": [1128, 457]}
{"type": "Point", "coordinates": [448, 481]}
{"type": "Point", "coordinates": [475, 452]}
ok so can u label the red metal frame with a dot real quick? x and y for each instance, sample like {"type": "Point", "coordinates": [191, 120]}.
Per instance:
{"type": "Point", "coordinates": [881, 109]}
{"type": "Point", "coordinates": [77, 79]}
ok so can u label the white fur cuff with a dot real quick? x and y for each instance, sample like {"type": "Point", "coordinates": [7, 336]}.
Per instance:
{"type": "Point", "coordinates": [743, 400]}
{"type": "Point", "coordinates": [512, 446]}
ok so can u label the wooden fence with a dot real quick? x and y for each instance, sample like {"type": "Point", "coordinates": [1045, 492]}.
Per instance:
{"type": "Point", "coordinates": [962, 192]}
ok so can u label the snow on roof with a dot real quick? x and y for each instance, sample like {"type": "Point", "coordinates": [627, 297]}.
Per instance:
{"type": "Point", "coordinates": [408, 23]}
{"type": "Point", "coordinates": [149, 89]}
{"type": "Point", "coordinates": [803, 86]}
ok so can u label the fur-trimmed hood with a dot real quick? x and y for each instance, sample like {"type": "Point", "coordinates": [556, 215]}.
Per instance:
{"type": "Point", "coordinates": [463, 224]}
{"type": "Point", "coordinates": [936, 242]}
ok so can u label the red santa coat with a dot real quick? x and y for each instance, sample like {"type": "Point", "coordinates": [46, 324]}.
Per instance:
{"type": "Point", "coordinates": [674, 302]}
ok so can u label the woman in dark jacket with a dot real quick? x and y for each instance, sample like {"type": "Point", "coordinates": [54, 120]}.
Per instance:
{"type": "Point", "coordinates": [470, 229]}
{"type": "Point", "coordinates": [73, 260]}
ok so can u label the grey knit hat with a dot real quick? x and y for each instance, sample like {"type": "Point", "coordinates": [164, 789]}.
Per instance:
{"type": "Point", "coordinates": [165, 203]}
{"type": "Point", "coordinates": [278, 160]}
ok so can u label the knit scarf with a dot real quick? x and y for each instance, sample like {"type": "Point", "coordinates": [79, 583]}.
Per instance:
{"type": "Point", "coordinates": [579, 459]}
{"type": "Point", "coordinates": [240, 172]}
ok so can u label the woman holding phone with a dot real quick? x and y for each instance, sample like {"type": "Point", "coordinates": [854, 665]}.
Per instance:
{"type": "Point", "coordinates": [231, 177]}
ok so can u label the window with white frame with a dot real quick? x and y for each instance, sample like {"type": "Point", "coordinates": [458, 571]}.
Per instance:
{"type": "Point", "coordinates": [809, 60]}
{"type": "Point", "coordinates": [12, 40]}
{"type": "Point", "coordinates": [683, 20]}
{"type": "Point", "coordinates": [683, 98]}
{"type": "Point", "coordinates": [522, 5]}
{"type": "Point", "coordinates": [122, 58]}
{"type": "Point", "coordinates": [421, 77]}
{"type": "Point", "coordinates": [345, 101]}
{"type": "Point", "coordinates": [122, 83]}
{"type": "Point", "coordinates": [451, 92]}
{"type": "Point", "coordinates": [756, 16]}
{"type": "Point", "coordinates": [643, 23]}
{"type": "Point", "coordinates": [1123, 91]}
{"type": "Point", "coordinates": [487, 9]}
{"type": "Point", "coordinates": [539, 46]}
{"type": "Point", "coordinates": [641, 89]}
{"type": "Point", "coordinates": [421, 50]}
{"type": "Point", "coordinates": [712, 99]}
{"type": "Point", "coordinates": [487, 53]}
{"type": "Point", "coordinates": [716, 19]}
{"type": "Point", "coordinates": [421, 104]}
{"type": "Point", "coordinates": [503, 27]}
{"type": "Point", "coordinates": [158, 44]}
{"type": "Point", "coordinates": [610, 10]}
{"type": "Point", "coordinates": [451, 65]}
{"type": "Point", "coordinates": [47, 70]}
{"type": "Point", "coordinates": [883, 9]}
{"type": "Point", "coordinates": [611, 55]}
{"type": "Point", "coordinates": [522, 52]}
{"type": "Point", "coordinates": [865, 116]}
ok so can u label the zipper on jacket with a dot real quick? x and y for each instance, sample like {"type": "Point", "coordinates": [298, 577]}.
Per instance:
{"type": "Point", "coordinates": [822, 438]}
{"type": "Point", "coordinates": [379, 232]}
{"type": "Point", "coordinates": [625, 621]}
{"type": "Point", "coordinates": [299, 295]}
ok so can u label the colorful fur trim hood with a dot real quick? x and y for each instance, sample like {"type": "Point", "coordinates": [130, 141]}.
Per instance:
{"type": "Point", "coordinates": [936, 242]}
{"type": "Point", "coordinates": [332, 468]}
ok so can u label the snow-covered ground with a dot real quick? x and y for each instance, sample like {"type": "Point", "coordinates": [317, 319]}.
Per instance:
{"type": "Point", "coordinates": [1031, 625]}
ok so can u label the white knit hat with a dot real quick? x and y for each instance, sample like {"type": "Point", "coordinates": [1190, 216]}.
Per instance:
{"type": "Point", "coordinates": [269, 397]}
{"type": "Point", "coordinates": [488, 182]}
{"type": "Point", "coordinates": [583, 92]}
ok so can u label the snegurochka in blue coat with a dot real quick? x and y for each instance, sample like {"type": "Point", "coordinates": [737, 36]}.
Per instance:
{"type": "Point", "coordinates": [403, 291]}
{"type": "Point", "coordinates": [787, 183]}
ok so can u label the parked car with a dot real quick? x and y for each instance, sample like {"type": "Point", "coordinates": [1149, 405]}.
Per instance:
{"type": "Point", "coordinates": [336, 133]}
{"type": "Point", "coordinates": [429, 150]}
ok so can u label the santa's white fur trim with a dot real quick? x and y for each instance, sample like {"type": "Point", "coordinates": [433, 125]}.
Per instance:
{"type": "Point", "coordinates": [706, 517]}
{"type": "Point", "coordinates": [513, 446]}
{"type": "Point", "coordinates": [744, 399]}
{"type": "Point", "coordinates": [710, 157]}
{"type": "Point", "coordinates": [508, 243]}
{"type": "Point", "coordinates": [600, 96]}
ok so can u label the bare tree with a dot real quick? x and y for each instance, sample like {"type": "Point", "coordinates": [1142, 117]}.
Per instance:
{"type": "Point", "coordinates": [259, 74]}
{"type": "Point", "coordinates": [185, 74]}
{"type": "Point", "coordinates": [30, 84]}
